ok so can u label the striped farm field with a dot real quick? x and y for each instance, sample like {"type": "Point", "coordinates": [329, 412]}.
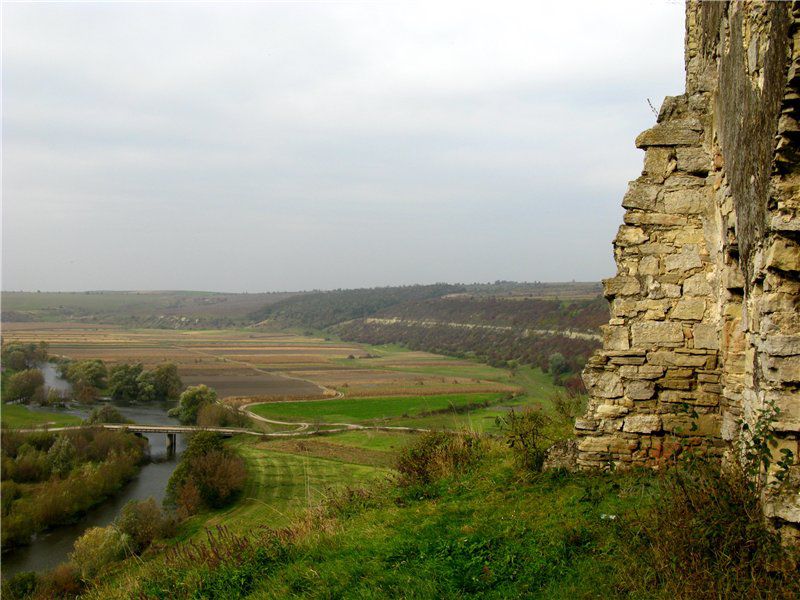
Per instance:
{"type": "Point", "coordinates": [368, 409]}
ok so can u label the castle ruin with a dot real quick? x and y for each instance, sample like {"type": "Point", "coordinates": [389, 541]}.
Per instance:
{"type": "Point", "coordinates": [705, 307]}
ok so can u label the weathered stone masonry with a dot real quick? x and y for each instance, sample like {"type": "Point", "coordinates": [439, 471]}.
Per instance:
{"type": "Point", "coordinates": [705, 307]}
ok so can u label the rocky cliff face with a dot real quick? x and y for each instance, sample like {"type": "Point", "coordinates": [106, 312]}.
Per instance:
{"type": "Point", "coordinates": [705, 308]}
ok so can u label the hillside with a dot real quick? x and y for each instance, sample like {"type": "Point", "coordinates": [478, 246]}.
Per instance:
{"type": "Point", "coordinates": [161, 309]}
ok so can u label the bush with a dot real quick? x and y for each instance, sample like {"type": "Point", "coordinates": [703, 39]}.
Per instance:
{"type": "Point", "coordinates": [62, 455]}
{"type": "Point", "coordinates": [61, 582]}
{"type": "Point", "coordinates": [438, 454]}
{"type": "Point", "coordinates": [526, 432]}
{"type": "Point", "coordinates": [191, 401]}
{"type": "Point", "coordinates": [208, 475]}
{"type": "Point", "coordinates": [105, 414]}
{"type": "Point", "coordinates": [23, 385]}
{"type": "Point", "coordinates": [20, 586]}
{"type": "Point", "coordinates": [219, 476]}
{"type": "Point", "coordinates": [143, 522]}
{"type": "Point", "coordinates": [31, 465]}
{"type": "Point", "coordinates": [707, 538]}
{"type": "Point", "coordinates": [98, 548]}
{"type": "Point", "coordinates": [216, 415]}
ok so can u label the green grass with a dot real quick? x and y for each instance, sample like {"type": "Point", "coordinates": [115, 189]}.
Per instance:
{"type": "Point", "coordinates": [490, 533]}
{"type": "Point", "coordinates": [17, 416]}
{"type": "Point", "coordinates": [382, 441]}
{"type": "Point", "coordinates": [366, 409]}
{"type": "Point", "coordinates": [487, 535]}
{"type": "Point", "coordinates": [279, 485]}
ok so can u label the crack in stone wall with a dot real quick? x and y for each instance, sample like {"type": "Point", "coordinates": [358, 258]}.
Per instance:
{"type": "Point", "coordinates": [705, 306]}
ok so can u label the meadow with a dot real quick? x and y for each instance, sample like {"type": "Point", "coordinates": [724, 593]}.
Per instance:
{"type": "Point", "coordinates": [17, 416]}
{"type": "Point", "coordinates": [368, 410]}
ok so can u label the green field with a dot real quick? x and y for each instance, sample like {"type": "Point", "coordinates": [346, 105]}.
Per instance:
{"type": "Point", "coordinates": [279, 485]}
{"type": "Point", "coordinates": [366, 409]}
{"type": "Point", "coordinates": [17, 416]}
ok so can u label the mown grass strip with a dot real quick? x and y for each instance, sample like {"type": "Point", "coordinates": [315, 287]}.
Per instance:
{"type": "Point", "coordinates": [354, 410]}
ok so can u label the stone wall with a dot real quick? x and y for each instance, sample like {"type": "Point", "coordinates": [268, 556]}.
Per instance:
{"type": "Point", "coordinates": [705, 307]}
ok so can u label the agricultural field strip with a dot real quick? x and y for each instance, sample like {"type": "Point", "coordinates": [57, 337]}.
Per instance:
{"type": "Point", "coordinates": [366, 409]}
{"type": "Point", "coordinates": [433, 323]}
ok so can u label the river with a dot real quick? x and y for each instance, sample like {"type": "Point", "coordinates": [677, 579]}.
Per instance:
{"type": "Point", "coordinates": [50, 548]}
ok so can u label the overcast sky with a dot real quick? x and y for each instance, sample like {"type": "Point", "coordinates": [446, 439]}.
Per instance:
{"type": "Point", "coordinates": [300, 145]}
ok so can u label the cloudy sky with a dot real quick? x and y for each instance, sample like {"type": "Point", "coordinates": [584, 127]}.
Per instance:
{"type": "Point", "coordinates": [300, 145]}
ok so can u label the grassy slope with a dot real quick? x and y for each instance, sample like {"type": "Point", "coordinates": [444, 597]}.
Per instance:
{"type": "Point", "coordinates": [279, 484]}
{"type": "Point", "coordinates": [488, 535]}
{"type": "Point", "coordinates": [365, 409]}
{"type": "Point", "coordinates": [17, 416]}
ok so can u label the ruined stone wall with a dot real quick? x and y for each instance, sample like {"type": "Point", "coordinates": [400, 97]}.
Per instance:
{"type": "Point", "coordinates": [705, 307]}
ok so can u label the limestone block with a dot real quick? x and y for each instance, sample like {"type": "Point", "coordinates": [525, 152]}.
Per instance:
{"type": "Point", "coordinates": [673, 359]}
{"type": "Point", "coordinates": [649, 265]}
{"type": "Point", "coordinates": [602, 383]}
{"type": "Point", "coordinates": [659, 162]}
{"type": "Point", "coordinates": [688, 258]}
{"type": "Point", "coordinates": [693, 160]}
{"type": "Point", "coordinates": [689, 309]}
{"type": "Point", "coordinates": [641, 195]}
{"type": "Point", "coordinates": [621, 286]}
{"type": "Point", "coordinates": [783, 255]}
{"type": "Point", "coordinates": [640, 389]}
{"type": "Point", "coordinates": [671, 133]}
{"type": "Point", "coordinates": [781, 345]}
{"type": "Point", "coordinates": [630, 236]}
{"type": "Point", "coordinates": [704, 425]}
{"type": "Point", "coordinates": [655, 248]}
{"type": "Point", "coordinates": [781, 369]}
{"type": "Point", "coordinates": [594, 444]}
{"type": "Point", "coordinates": [686, 201]}
{"type": "Point", "coordinates": [654, 333]}
{"type": "Point", "coordinates": [697, 285]}
{"type": "Point", "coordinates": [586, 424]}
{"type": "Point", "coordinates": [615, 338]}
{"type": "Point", "coordinates": [610, 411]}
{"type": "Point", "coordinates": [650, 372]}
{"type": "Point", "coordinates": [642, 424]}
{"type": "Point", "coordinates": [733, 279]}
{"type": "Point", "coordinates": [689, 235]}
{"type": "Point", "coordinates": [653, 218]}
{"type": "Point", "coordinates": [705, 336]}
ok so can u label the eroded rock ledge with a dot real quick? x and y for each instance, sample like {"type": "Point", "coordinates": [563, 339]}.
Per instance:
{"type": "Point", "coordinates": [705, 307]}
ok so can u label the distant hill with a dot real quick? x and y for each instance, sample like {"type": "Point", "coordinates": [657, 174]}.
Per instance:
{"type": "Point", "coordinates": [319, 310]}
{"type": "Point", "coordinates": [163, 309]}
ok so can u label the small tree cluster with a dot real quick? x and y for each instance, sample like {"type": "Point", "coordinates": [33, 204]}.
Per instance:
{"type": "Point", "coordinates": [209, 475]}
{"type": "Point", "coordinates": [191, 401]}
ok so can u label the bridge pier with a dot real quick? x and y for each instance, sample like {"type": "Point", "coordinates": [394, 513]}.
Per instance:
{"type": "Point", "coordinates": [171, 443]}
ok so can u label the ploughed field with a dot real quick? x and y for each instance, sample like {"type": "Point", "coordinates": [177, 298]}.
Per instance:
{"type": "Point", "coordinates": [264, 366]}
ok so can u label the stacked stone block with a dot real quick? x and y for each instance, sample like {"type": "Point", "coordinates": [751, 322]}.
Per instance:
{"type": "Point", "coordinates": [705, 306]}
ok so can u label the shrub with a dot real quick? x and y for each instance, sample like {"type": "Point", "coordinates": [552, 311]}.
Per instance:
{"type": "Point", "coordinates": [105, 414]}
{"type": "Point", "coordinates": [526, 433]}
{"type": "Point", "coordinates": [31, 465]}
{"type": "Point", "coordinates": [20, 586]}
{"type": "Point", "coordinates": [62, 456]}
{"type": "Point", "coordinates": [707, 538]}
{"type": "Point", "coordinates": [208, 475]}
{"type": "Point", "coordinates": [216, 415]}
{"type": "Point", "coordinates": [219, 476]}
{"type": "Point", "coordinates": [568, 406]}
{"type": "Point", "coordinates": [61, 582]}
{"type": "Point", "coordinates": [23, 385]}
{"type": "Point", "coordinates": [143, 521]}
{"type": "Point", "coordinates": [194, 398]}
{"type": "Point", "coordinates": [96, 549]}
{"type": "Point", "coordinates": [438, 454]}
